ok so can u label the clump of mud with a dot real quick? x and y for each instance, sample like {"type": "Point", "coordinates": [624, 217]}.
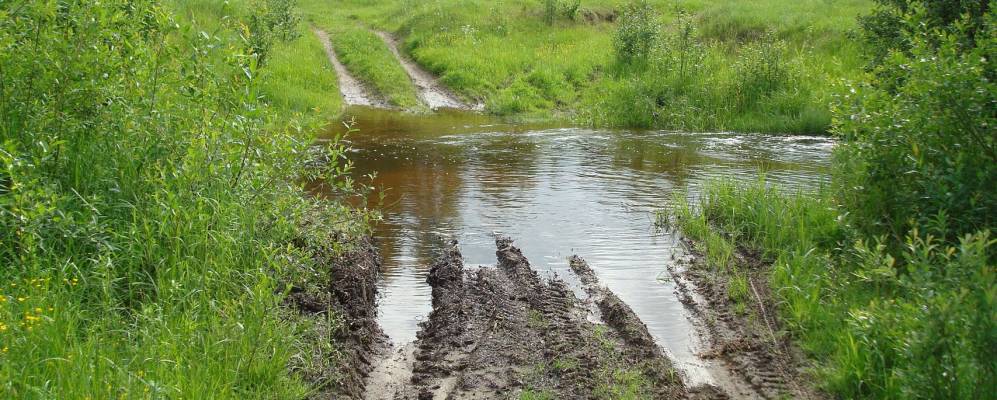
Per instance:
{"type": "Point", "coordinates": [497, 332]}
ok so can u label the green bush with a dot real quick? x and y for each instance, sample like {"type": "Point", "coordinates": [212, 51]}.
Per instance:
{"type": "Point", "coordinates": [148, 202]}
{"type": "Point", "coordinates": [914, 323]}
{"type": "Point", "coordinates": [637, 32]}
{"type": "Point", "coordinates": [891, 25]}
{"type": "Point", "coordinates": [923, 153]}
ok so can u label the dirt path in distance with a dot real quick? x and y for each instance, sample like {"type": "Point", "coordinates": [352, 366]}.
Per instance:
{"type": "Point", "coordinates": [431, 92]}
{"type": "Point", "coordinates": [354, 92]}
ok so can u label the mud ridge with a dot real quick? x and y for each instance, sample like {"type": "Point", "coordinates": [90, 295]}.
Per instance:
{"type": "Point", "coordinates": [336, 304]}
{"type": "Point", "coordinates": [499, 331]}
{"type": "Point", "coordinates": [430, 90]}
{"type": "Point", "coordinates": [750, 341]}
{"type": "Point", "coordinates": [618, 315]}
{"type": "Point", "coordinates": [354, 92]}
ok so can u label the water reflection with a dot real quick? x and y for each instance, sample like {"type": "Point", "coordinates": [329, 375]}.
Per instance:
{"type": "Point", "coordinates": [558, 192]}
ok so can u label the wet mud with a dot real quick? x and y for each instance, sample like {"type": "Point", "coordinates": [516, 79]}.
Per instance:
{"type": "Point", "coordinates": [500, 331]}
{"type": "Point", "coordinates": [332, 301]}
{"type": "Point", "coordinates": [751, 342]}
{"type": "Point", "coordinates": [504, 331]}
{"type": "Point", "coordinates": [354, 92]}
{"type": "Point", "coordinates": [432, 93]}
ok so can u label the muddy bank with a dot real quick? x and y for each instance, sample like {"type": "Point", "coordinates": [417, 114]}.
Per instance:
{"type": "Point", "coordinates": [503, 331]}
{"type": "Point", "coordinates": [333, 301]}
{"type": "Point", "coordinates": [749, 339]}
{"type": "Point", "coordinates": [354, 92]}
{"type": "Point", "coordinates": [432, 93]}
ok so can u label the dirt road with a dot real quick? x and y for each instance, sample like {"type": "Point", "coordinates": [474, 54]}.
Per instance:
{"type": "Point", "coordinates": [430, 90]}
{"type": "Point", "coordinates": [504, 332]}
{"type": "Point", "coordinates": [354, 92]}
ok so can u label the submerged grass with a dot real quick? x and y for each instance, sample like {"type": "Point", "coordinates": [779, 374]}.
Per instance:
{"type": "Point", "coordinates": [707, 69]}
{"type": "Point", "coordinates": [149, 202]}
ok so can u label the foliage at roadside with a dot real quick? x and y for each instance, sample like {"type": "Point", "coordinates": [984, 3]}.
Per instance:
{"type": "Point", "coordinates": [918, 322]}
{"type": "Point", "coordinates": [887, 278]}
{"type": "Point", "coordinates": [919, 147]}
{"type": "Point", "coordinates": [149, 200]}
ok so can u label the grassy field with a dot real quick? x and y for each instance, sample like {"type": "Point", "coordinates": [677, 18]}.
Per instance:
{"type": "Point", "coordinates": [713, 65]}
{"type": "Point", "coordinates": [149, 197]}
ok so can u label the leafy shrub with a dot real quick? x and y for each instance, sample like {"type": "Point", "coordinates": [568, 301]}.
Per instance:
{"type": "Point", "coordinates": [148, 206]}
{"type": "Point", "coordinates": [894, 22]}
{"type": "Point", "coordinates": [637, 33]}
{"type": "Point", "coordinates": [923, 151]}
{"type": "Point", "coordinates": [553, 9]}
{"type": "Point", "coordinates": [550, 11]}
{"type": "Point", "coordinates": [269, 22]}
{"type": "Point", "coordinates": [759, 71]}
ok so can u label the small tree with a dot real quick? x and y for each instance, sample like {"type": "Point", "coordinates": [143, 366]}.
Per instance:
{"type": "Point", "coordinates": [638, 31]}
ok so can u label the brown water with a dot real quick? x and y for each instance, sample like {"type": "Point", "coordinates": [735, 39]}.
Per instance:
{"type": "Point", "coordinates": [557, 191]}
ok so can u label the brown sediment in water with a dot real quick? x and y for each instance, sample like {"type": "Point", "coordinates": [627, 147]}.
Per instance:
{"type": "Point", "coordinates": [752, 343]}
{"type": "Point", "coordinates": [432, 93]}
{"type": "Point", "coordinates": [354, 92]}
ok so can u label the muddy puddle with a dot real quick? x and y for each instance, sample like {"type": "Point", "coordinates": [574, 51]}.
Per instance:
{"type": "Point", "coordinates": [558, 192]}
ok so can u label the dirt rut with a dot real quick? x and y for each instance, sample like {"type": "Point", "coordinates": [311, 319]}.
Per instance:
{"type": "Point", "coordinates": [431, 92]}
{"type": "Point", "coordinates": [498, 332]}
{"type": "Point", "coordinates": [354, 92]}
{"type": "Point", "coordinates": [750, 341]}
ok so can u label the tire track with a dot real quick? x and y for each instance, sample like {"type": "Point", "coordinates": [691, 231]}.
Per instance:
{"type": "Point", "coordinates": [354, 92]}
{"type": "Point", "coordinates": [431, 92]}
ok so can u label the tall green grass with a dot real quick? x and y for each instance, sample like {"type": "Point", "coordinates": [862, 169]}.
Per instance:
{"type": "Point", "coordinates": [299, 78]}
{"type": "Point", "coordinates": [918, 323]}
{"type": "Point", "coordinates": [148, 206]}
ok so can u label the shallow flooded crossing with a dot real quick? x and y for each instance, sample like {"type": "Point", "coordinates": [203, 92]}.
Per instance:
{"type": "Point", "coordinates": [558, 192]}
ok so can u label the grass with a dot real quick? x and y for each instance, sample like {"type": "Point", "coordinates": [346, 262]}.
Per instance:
{"type": "Point", "coordinates": [368, 58]}
{"type": "Point", "coordinates": [918, 323]}
{"type": "Point", "coordinates": [522, 63]}
{"type": "Point", "coordinates": [299, 78]}
{"type": "Point", "coordinates": [362, 52]}
{"type": "Point", "coordinates": [148, 204]}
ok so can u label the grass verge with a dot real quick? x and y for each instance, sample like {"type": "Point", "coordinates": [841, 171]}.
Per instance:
{"type": "Point", "coordinates": [918, 323]}
{"type": "Point", "coordinates": [362, 52]}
